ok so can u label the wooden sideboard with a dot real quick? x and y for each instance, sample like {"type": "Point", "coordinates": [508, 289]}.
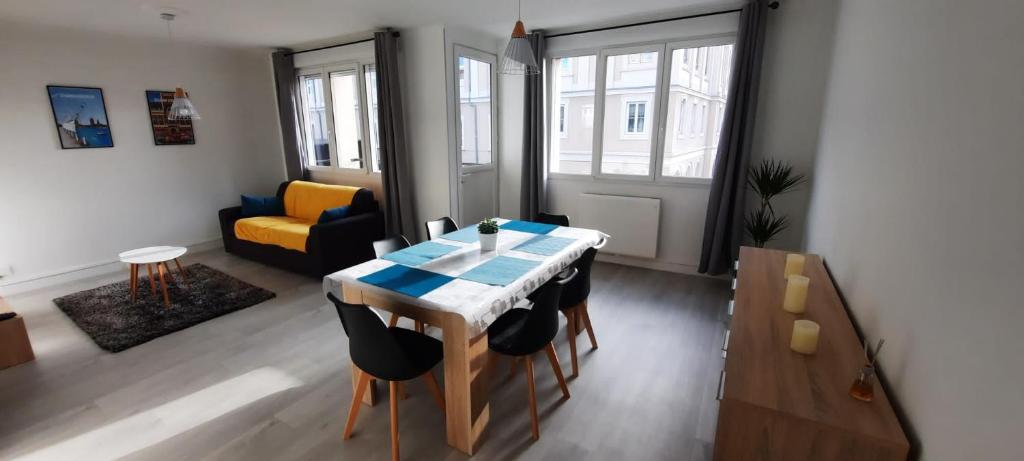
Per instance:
{"type": "Point", "coordinates": [776, 404]}
{"type": "Point", "coordinates": [14, 345]}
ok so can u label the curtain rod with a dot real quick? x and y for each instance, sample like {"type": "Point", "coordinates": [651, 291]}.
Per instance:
{"type": "Point", "coordinates": [393, 34]}
{"type": "Point", "coordinates": [772, 5]}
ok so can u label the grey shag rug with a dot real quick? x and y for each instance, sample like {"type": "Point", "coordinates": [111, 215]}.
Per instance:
{"type": "Point", "coordinates": [109, 317]}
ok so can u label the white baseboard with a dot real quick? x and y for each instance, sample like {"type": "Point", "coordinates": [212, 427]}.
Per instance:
{"type": "Point", "coordinates": [23, 284]}
{"type": "Point", "coordinates": [653, 264]}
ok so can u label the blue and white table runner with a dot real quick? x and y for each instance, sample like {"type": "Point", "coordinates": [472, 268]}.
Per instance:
{"type": "Point", "coordinates": [478, 286]}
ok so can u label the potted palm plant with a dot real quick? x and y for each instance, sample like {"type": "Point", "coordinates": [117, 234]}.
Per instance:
{"type": "Point", "coordinates": [488, 230]}
{"type": "Point", "coordinates": [768, 180]}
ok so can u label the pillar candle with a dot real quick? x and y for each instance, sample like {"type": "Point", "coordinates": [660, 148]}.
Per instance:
{"type": "Point", "coordinates": [805, 337]}
{"type": "Point", "coordinates": [794, 265]}
{"type": "Point", "coordinates": [796, 294]}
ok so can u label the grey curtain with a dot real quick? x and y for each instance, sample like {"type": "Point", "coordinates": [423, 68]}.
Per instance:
{"type": "Point", "coordinates": [532, 195]}
{"type": "Point", "coordinates": [394, 155]}
{"type": "Point", "coordinates": [288, 110]}
{"type": "Point", "coordinates": [723, 227]}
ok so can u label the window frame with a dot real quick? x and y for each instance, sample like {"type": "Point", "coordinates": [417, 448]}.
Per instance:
{"type": "Point", "coordinates": [670, 47]}
{"type": "Point", "coordinates": [480, 56]}
{"type": "Point", "coordinates": [358, 67]}
{"type": "Point", "coordinates": [667, 47]}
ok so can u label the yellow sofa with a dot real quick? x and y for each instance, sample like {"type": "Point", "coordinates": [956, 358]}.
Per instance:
{"type": "Point", "coordinates": [296, 241]}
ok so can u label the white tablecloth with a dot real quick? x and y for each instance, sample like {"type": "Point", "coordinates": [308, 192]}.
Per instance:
{"type": "Point", "coordinates": [478, 303]}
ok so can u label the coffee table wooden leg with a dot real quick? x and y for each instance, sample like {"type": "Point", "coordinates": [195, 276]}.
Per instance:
{"type": "Point", "coordinates": [163, 283]}
{"type": "Point", "coordinates": [152, 282]}
{"type": "Point", "coordinates": [133, 278]}
{"type": "Point", "coordinates": [465, 384]}
{"type": "Point", "coordinates": [181, 270]}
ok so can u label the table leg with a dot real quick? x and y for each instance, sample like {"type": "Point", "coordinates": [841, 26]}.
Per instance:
{"type": "Point", "coordinates": [465, 384]}
{"type": "Point", "coordinates": [152, 282]}
{"type": "Point", "coordinates": [133, 279]}
{"type": "Point", "coordinates": [163, 283]}
{"type": "Point", "coordinates": [181, 270]}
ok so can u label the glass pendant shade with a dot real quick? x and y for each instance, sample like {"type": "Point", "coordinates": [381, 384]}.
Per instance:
{"type": "Point", "coordinates": [518, 58]}
{"type": "Point", "coordinates": [181, 107]}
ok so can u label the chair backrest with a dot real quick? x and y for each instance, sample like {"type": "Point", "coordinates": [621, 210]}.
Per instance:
{"type": "Point", "coordinates": [390, 245]}
{"type": "Point", "coordinates": [440, 226]}
{"type": "Point", "coordinates": [556, 219]}
{"type": "Point", "coordinates": [542, 321]}
{"type": "Point", "coordinates": [577, 290]}
{"type": "Point", "coordinates": [370, 345]}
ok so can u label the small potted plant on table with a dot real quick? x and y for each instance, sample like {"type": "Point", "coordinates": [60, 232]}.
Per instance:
{"type": "Point", "coordinates": [488, 230]}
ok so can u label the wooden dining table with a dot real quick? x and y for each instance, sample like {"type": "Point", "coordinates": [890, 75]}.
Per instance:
{"type": "Point", "coordinates": [464, 294]}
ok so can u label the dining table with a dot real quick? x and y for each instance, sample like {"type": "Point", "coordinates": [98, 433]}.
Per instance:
{"type": "Point", "coordinates": [450, 283]}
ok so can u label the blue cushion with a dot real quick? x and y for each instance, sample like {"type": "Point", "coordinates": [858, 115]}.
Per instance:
{"type": "Point", "coordinates": [262, 206]}
{"type": "Point", "coordinates": [333, 214]}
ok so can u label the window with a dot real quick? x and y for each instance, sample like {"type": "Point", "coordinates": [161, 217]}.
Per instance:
{"type": "Point", "coordinates": [561, 120]}
{"type": "Point", "coordinates": [693, 156]}
{"type": "Point", "coordinates": [635, 117]}
{"type": "Point", "coordinates": [572, 153]}
{"type": "Point", "coordinates": [474, 94]}
{"type": "Point", "coordinates": [627, 144]}
{"type": "Point", "coordinates": [315, 132]}
{"type": "Point", "coordinates": [335, 121]}
{"type": "Point", "coordinates": [660, 120]}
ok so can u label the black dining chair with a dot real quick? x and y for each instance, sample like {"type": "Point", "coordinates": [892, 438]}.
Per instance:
{"type": "Point", "coordinates": [390, 354]}
{"type": "Point", "coordinates": [573, 303]}
{"type": "Point", "coordinates": [556, 219]}
{"type": "Point", "coordinates": [391, 245]}
{"type": "Point", "coordinates": [440, 226]}
{"type": "Point", "coordinates": [523, 332]}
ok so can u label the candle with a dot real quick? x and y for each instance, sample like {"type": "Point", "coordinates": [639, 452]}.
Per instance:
{"type": "Point", "coordinates": [796, 294]}
{"type": "Point", "coordinates": [805, 337]}
{"type": "Point", "coordinates": [794, 265]}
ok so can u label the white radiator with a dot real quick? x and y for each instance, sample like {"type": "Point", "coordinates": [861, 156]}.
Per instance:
{"type": "Point", "coordinates": [632, 222]}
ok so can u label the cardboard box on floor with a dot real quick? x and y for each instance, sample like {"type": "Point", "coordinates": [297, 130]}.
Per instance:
{"type": "Point", "coordinates": [14, 345]}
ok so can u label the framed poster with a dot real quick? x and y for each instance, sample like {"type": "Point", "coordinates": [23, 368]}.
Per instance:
{"type": "Point", "coordinates": [80, 115]}
{"type": "Point", "coordinates": [167, 132]}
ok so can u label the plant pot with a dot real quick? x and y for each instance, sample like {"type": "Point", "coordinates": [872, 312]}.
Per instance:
{"type": "Point", "coordinates": [488, 242]}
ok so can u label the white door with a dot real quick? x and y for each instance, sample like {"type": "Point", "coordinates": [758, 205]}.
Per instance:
{"type": "Point", "coordinates": [476, 120]}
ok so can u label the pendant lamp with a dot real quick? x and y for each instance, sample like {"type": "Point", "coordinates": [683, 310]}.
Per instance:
{"type": "Point", "coordinates": [519, 58]}
{"type": "Point", "coordinates": [182, 107]}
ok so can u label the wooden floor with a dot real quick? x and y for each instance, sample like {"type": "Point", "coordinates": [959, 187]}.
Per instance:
{"type": "Point", "coordinates": [272, 382]}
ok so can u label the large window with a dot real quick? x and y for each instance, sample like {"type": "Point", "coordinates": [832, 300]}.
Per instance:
{"type": "Point", "coordinates": [336, 118]}
{"type": "Point", "coordinates": [659, 108]}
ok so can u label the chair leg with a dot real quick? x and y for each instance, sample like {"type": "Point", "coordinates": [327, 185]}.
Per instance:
{"type": "Point", "coordinates": [394, 421]}
{"type": "Point", "coordinates": [357, 399]}
{"type": "Point", "coordinates": [590, 328]}
{"type": "Point", "coordinates": [394, 320]}
{"type": "Point", "coordinates": [534, 425]}
{"type": "Point", "coordinates": [512, 367]}
{"type": "Point", "coordinates": [434, 389]}
{"type": "Point", "coordinates": [419, 326]}
{"type": "Point", "coordinates": [570, 330]}
{"type": "Point", "coordinates": [557, 368]}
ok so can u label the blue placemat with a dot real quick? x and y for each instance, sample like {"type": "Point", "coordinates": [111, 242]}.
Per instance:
{"type": "Point", "coordinates": [500, 271]}
{"type": "Point", "coordinates": [532, 227]}
{"type": "Point", "coordinates": [419, 253]}
{"type": "Point", "coordinates": [406, 280]}
{"type": "Point", "coordinates": [464, 235]}
{"type": "Point", "coordinates": [544, 245]}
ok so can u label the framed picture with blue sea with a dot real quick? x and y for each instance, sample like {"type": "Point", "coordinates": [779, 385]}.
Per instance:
{"type": "Point", "coordinates": [167, 132]}
{"type": "Point", "coordinates": [80, 115]}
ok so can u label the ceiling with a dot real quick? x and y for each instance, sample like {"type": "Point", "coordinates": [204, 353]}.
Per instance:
{"type": "Point", "coordinates": [268, 23]}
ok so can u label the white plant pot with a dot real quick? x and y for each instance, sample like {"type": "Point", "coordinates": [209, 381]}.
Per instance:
{"type": "Point", "coordinates": [488, 242]}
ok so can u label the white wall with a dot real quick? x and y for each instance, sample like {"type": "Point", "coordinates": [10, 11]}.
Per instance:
{"type": "Point", "coordinates": [65, 209]}
{"type": "Point", "coordinates": [917, 210]}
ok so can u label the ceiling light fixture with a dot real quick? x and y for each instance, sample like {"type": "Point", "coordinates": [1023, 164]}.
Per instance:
{"type": "Point", "coordinates": [182, 107]}
{"type": "Point", "coordinates": [519, 58]}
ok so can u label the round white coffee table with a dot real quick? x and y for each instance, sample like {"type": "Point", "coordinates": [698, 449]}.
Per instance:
{"type": "Point", "coordinates": [150, 256]}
